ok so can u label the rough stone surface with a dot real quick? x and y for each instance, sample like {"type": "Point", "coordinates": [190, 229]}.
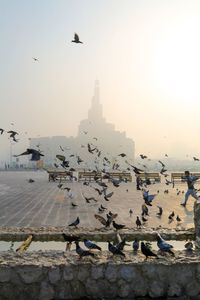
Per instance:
{"type": "Point", "coordinates": [192, 288]}
{"type": "Point", "coordinates": [127, 273]}
{"type": "Point", "coordinates": [54, 275]}
{"type": "Point", "coordinates": [30, 274]}
{"type": "Point", "coordinates": [97, 272]}
{"type": "Point", "coordinates": [156, 289]}
{"type": "Point", "coordinates": [111, 273]}
{"type": "Point", "coordinates": [46, 276]}
{"type": "Point", "coordinates": [174, 290]}
{"type": "Point", "coordinates": [5, 274]}
{"type": "Point", "coordinates": [68, 273]}
{"type": "Point", "coordinates": [83, 273]}
{"type": "Point", "coordinates": [46, 292]}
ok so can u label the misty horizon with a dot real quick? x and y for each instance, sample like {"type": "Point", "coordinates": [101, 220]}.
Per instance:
{"type": "Point", "coordinates": [145, 55]}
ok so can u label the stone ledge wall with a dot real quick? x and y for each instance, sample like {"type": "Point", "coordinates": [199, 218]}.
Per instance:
{"type": "Point", "coordinates": [46, 276]}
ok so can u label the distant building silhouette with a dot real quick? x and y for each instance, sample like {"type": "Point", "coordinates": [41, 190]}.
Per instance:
{"type": "Point", "coordinates": [93, 130]}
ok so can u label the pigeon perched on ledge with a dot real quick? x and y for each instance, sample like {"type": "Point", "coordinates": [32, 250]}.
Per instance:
{"type": "Point", "coordinates": [114, 250]}
{"type": "Point", "coordinates": [81, 252]}
{"type": "Point", "coordinates": [90, 245]}
{"type": "Point", "coordinates": [163, 245]}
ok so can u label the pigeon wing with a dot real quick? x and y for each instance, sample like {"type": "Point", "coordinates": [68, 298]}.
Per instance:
{"type": "Point", "coordinates": [101, 219]}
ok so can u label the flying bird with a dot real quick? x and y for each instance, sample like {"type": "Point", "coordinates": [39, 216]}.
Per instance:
{"type": "Point", "coordinates": [143, 156]}
{"type": "Point", "coordinates": [122, 154]}
{"type": "Point", "coordinates": [76, 39]}
{"type": "Point", "coordinates": [90, 149]}
{"type": "Point", "coordinates": [61, 148]}
{"type": "Point", "coordinates": [13, 134]}
{"type": "Point", "coordinates": [35, 59]}
{"type": "Point", "coordinates": [196, 159]}
{"type": "Point", "coordinates": [2, 130]}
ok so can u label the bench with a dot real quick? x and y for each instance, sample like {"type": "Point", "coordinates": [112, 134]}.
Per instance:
{"type": "Point", "coordinates": [59, 175]}
{"type": "Point", "coordinates": [120, 175]}
{"type": "Point", "coordinates": [87, 175]}
{"type": "Point", "coordinates": [177, 176]}
{"type": "Point", "coordinates": [151, 176]}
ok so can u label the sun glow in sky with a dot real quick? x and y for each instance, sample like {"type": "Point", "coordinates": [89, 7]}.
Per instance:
{"type": "Point", "coordinates": [146, 55]}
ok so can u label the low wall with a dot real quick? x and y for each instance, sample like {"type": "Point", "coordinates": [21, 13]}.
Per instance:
{"type": "Point", "coordinates": [58, 275]}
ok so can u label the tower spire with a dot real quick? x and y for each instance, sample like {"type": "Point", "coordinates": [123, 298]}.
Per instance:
{"type": "Point", "coordinates": [96, 112]}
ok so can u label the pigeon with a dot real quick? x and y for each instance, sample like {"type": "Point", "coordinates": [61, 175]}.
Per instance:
{"type": "Point", "coordinates": [79, 160]}
{"type": "Point", "coordinates": [31, 180]}
{"type": "Point", "coordinates": [195, 158]}
{"type": "Point", "coordinates": [13, 134]}
{"type": "Point", "coordinates": [148, 198]}
{"type": "Point", "coordinates": [76, 40]}
{"type": "Point", "coordinates": [90, 245]}
{"type": "Point", "coordinates": [69, 239]}
{"type": "Point", "coordinates": [163, 245]}
{"type": "Point", "coordinates": [108, 195]}
{"type": "Point", "coordinates": [130, 212]}
{"type": "Point", "coordinates": [100, 210]}
{"type": "Point", "coordinates": [103, 221]}
{"type": "Point", "coordinates": [35, 59]}
{"type": "Point", "coordinates": [114, 250]}
{"type": "Point", "coordinates": [144, 219]}
{"type": "Point", "coordinates": [121, 244]}
{"type": "Point", "coordinates": [35, 154]}
{"type": "Point", "coordinates": [143, 156]}
{"type": "Point", "coordinates": [2, 130]}
{"type": "Point", "coordinates": [145, 210]}
{"type": "Point", "coordinates": [81, 252]}
{"type": "Point", "coordinates": [103, 207]}
{"type": "Point", "coordinates": [171, 216]}
{"type": "Point", "coordinates": [138, 222]}
{"type": "Point", "coordinates": [189, 246]}
{"type": "Point", "coordinates": [74, 205]}
{"type": "Point", "coordinates": [135, 245]}
{"type": "Point", "coordinates": [146, 251]}
{"type": "Point", "coordinates": [118, 226]}
{"type": "Point", "coordinates": [178, 219]}
{"type": "Point", "coordinates": [75, 223]}
{"type": "Point", "coordinates": [122, 154]}
{"type": "Point", "coordinates": [135, 169]}
{"type": "Point", "coordinates": [163, 165]}
{"type": "Point", "coordinates": [90, 149]}
{"type": "Point", "coordinates": [88, 199]}
{"type": "Point", "coordinates": [159, 214]}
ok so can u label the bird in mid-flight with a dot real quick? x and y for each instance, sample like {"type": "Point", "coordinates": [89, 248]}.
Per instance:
{"type": "Point", "coordinates": [35, 59]}
{"type": "Point", "coordinates": [76, 39]}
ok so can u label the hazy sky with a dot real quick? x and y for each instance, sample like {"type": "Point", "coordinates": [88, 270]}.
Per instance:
{"type": "Point", "coordinates": [145, 53]}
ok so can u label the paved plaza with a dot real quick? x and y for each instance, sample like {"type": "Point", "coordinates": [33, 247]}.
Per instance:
{"type": "Point", "coordinates": [42, 203]}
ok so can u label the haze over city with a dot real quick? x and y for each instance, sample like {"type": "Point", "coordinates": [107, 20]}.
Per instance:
{"type": "Point", "coordinates": [144, 53]}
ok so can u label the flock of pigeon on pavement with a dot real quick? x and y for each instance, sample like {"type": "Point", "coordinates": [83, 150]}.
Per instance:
{"type": "Point", "coordinates": [102, 190]}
